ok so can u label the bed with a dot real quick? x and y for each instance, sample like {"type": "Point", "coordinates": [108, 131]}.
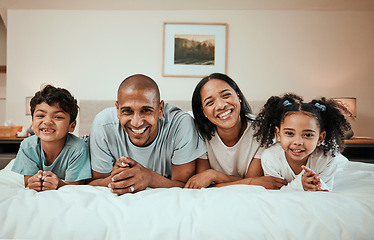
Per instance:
{"type": "Point", "coordinates": [233, 212]}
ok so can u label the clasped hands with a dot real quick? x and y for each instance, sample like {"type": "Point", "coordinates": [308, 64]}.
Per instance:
{"type": "Point", "coordinates": [311, 180]}
{"type": "Point", "coordinates": [128, 176]}
{"type": "Point", "coordinates": [43, 181]}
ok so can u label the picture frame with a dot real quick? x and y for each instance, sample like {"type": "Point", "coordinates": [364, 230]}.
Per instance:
{"type": "Point", "coordinates": [194, 49]}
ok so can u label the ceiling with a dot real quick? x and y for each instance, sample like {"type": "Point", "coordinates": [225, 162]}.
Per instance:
{"type": "Point", "coordinates": [335, 5]}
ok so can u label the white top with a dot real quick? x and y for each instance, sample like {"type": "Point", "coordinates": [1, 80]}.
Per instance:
{"type": "Point", "coordinates": [233, 160]}
{"type": "Point", "coordinates": [177, 142]}
{"type": "Point", "coordinates": [274, 163]}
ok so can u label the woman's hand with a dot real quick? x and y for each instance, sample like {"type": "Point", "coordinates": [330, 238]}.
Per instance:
{"type": "Point", "coordinates": [268, 182]}
{"type": "Point", "coordinates": [201, 180]}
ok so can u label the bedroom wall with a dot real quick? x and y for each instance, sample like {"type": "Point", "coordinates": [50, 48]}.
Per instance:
{"type": "Point", "coordinates": [312, 53]}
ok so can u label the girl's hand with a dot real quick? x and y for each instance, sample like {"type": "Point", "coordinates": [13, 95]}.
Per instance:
{"type": "Point", "coordinates": [310, 180]}
{"type": "Point", "coordinates": [200, 180]}
{"type": "Point", "coordinates": [35, 182]}
{"type": "Point", "coordinates": [51, 181]}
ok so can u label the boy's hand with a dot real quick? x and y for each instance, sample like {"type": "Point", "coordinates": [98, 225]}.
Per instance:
{"type": "Point", "coordinates": [51, 181]}
{"type": "Point", "coordinates": [310, 180]}
{"type": "Point", "coordinates": [35, 182]}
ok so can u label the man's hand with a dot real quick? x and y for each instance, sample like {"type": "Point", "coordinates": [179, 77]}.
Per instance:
{"type": "Point", "coordinates": [129, 176]}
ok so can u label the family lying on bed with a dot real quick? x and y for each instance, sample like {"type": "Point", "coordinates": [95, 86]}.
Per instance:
{"type": "Point", "coordinates": [144, 142]}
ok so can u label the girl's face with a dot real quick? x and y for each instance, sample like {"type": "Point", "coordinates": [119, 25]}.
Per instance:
{"type": "Point", "coordinates": [220, 104]}
{"type": "Point", "coordinates": [299, 135]}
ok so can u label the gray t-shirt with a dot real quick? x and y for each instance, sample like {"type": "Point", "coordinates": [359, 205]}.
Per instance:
{"type": "Point", "coordinates": [177, 142]}
{"type": "Point", "coordinates": [72, 164]}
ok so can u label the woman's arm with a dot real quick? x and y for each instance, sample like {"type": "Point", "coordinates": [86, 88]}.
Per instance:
{"type": "Point", "coordinates": [205, 176]}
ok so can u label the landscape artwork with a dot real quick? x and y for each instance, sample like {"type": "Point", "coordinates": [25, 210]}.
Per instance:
{"type": "Point", "coordinates": [194, 49]}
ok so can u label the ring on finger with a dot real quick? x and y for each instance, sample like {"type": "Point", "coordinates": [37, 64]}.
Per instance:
{"type": "Point", "coordinates": [132, 189]}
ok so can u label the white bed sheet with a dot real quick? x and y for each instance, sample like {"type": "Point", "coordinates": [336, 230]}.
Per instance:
{"type": "Point", "coordinates": [234, 212]}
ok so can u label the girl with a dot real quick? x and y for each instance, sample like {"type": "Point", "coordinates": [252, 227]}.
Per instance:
{"type": "Point", "coordinates": [309, 135]}
{"type": "Point", "coordinates": [223, 118]}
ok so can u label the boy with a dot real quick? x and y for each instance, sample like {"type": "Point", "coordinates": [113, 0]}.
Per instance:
{"type": "Point", "coordinates": [53, 157]}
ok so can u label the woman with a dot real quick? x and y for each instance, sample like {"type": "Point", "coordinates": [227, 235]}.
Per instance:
{"type": "Point", "coordinates": [223, 118]}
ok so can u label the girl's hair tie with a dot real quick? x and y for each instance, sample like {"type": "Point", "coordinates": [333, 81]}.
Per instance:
{"type": "Point", "coordinates": [320, 106]}
{"type": "Point", "coordinates": [286, 103]}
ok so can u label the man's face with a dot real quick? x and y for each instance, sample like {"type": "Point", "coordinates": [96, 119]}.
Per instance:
{"type": "Point", "coordinates": [138, 112]}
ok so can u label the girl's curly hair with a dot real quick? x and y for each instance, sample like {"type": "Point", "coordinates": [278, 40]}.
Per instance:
{"type": "Point", "coordinates": [328, 113]}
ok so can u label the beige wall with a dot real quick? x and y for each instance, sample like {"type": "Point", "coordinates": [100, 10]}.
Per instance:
{"type": "Point", "coordinates": [312, 53]}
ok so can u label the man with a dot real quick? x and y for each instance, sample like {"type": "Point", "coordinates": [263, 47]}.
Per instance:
{"type": "Point", "coordinates": [142, 142]}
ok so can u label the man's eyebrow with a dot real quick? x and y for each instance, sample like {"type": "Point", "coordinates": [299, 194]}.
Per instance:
{"type": "Point", "coordinates": [144, 107]}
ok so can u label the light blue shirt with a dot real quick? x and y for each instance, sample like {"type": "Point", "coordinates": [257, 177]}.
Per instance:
{"type": "Point", "coordinates": [177, 142]}
{"type": "Point", "coordinates": [72, 164]}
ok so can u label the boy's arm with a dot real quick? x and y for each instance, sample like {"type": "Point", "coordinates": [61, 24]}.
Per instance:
{"type": "Point", "coordinates": [52, 182]}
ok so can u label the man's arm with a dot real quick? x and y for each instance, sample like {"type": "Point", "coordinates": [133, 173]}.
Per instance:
{"type": "Point", "coordinates": [99, 179]}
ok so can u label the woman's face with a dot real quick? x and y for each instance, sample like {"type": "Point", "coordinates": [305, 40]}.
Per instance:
{"type": "Point", "coordinates": [220, 104]}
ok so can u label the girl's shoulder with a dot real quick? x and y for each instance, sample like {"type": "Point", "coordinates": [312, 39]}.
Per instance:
{"type": "Point", "coordinates": [274, 151]}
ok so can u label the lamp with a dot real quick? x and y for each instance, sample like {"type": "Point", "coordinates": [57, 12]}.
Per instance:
{"type": "Point", "coordinates": [350, 104]}
{"type": "Point", "coordinates": [28, 110]}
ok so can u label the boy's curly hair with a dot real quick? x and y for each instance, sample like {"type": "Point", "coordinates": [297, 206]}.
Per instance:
{"type": "Point", "coordinates": [56, 96]}
{"type": "Point", "coordinates": [328, 113]}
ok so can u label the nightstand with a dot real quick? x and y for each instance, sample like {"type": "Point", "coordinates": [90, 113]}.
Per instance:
{"type": "Point", "coordinates": [359, 149]}
{"type": "Point", "coordinates": [8, 149]}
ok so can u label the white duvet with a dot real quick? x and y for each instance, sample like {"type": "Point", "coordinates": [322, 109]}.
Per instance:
{"type": "Point", "coordinates": [234, 212]}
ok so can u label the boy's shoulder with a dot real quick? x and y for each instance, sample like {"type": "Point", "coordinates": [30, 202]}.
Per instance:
{"type": "Point", "coordinates": [31, 141]}
{"type": "Point", "coordinates": [74, 141]}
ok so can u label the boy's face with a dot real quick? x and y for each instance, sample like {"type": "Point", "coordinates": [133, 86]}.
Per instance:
{"type": "Point", "coordinates": [51, 123]}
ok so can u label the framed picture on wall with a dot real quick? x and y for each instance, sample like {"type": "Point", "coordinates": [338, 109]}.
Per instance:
{"type": "Point", "coordinates": [194, 49]}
